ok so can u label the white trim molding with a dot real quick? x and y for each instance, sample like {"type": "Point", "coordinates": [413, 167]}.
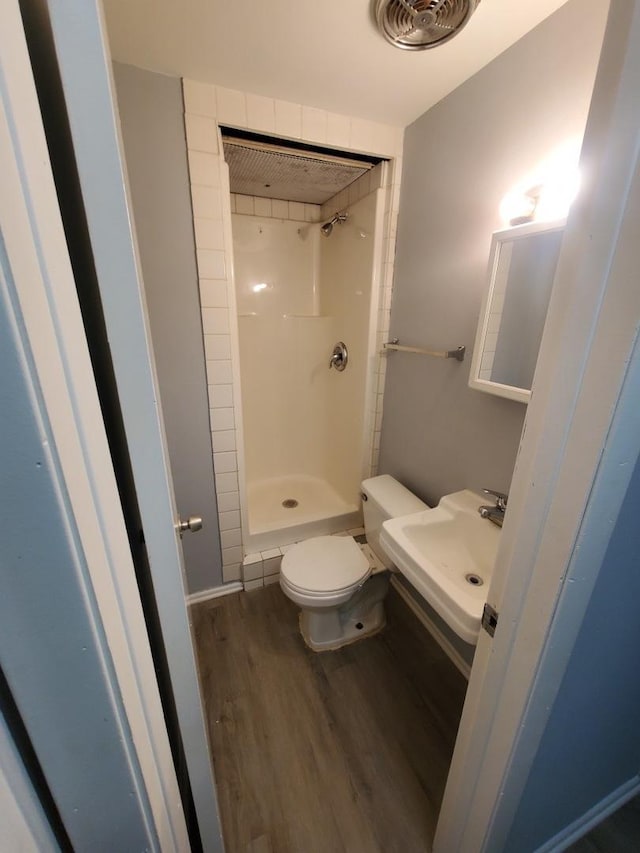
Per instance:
{"type": "Point", "coordinates": [51, 324]}
{"type": "Point", "coordinates": [574, 832]}
{"type": "Point", "coordinates": [214, 592]}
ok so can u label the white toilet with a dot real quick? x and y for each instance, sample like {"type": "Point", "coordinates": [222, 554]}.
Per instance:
{"type": "Point", "coordinates": [338, 589]}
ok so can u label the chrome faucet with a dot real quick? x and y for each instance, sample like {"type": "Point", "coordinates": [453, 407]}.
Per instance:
{"type": "Point", "coordinates": [495, 512]}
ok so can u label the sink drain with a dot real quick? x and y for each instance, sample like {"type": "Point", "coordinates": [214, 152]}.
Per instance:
{"type": "Point", "coordinates": [290, 503]}
{"type": "Point", "coordinates": [474, 580]}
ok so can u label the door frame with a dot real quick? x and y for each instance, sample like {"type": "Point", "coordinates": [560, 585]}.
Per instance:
{"type": "Point", "coordinates": [580, 442]}
{"type": "Point", "coordinates": [580, 375]}
{"type": "Point", "coordinates": [48, 316]}
{"type": "Point", "coordinates": [84, 65]}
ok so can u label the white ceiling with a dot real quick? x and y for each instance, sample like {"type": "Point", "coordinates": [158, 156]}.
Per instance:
{"type": "Point", "coordinates": [323, 53]}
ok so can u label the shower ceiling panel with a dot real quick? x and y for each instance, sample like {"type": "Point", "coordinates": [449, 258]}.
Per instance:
{"type": "Point", "coordinates": [277, 172]}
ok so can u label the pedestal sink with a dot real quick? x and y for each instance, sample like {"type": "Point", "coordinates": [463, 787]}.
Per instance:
{"type": "Point", "coordinates": [447, 554]}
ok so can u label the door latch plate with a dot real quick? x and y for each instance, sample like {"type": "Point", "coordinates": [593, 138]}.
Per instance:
{"type": "Point", "coordinates": [489, 619]}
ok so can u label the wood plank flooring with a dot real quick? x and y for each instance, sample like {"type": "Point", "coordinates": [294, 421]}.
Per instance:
{"type": "Point", "coordinates": [619, 833]}
{"type": "Point", "coordinates": [323, 753]}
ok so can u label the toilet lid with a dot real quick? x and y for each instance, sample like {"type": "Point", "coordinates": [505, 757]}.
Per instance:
{"type": "Point", "coordinates": [325, 564]}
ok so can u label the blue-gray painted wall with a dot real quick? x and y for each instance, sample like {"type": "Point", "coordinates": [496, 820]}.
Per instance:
{"type": "Point", "coordinates": [590, 746]}
{"type": "Point", "coordinates": [460, 159]}
{"type": "Point", "coordinates": [151, 116]}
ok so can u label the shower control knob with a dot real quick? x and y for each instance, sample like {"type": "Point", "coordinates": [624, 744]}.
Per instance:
{"type": "Point", "coordinates": [193, 524]}
{"type": "Point", "coordinates": [339, 357]}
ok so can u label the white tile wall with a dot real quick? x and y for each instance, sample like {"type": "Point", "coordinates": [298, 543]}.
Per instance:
{"type": "Point", "coordinates": [211, 264]}
{"type": "Point", "coordinates": [201, 133]}
{"type": "Point", "coordinates": [220, 396]}
{"type": "Point", "coordinates": [203, 169]}
{"type": "Point", "coordinates": [226, 483]}
{"type": "Point", "coordinates": [206, 202]}
{"type": "Point", "coordinates": [369, 182]}
{"type": "Point", "coordinates": [262, 206]}
{"type": "Point", "coordinates": [232, 107]}
{"type": "Point", "coordinates": [261, 113]}
{"type": "Point", "coordinates": [205, 106]}
{"type": "Point", "coordinates": [314, 124]}
{"type": "Point", "coordinates": [280, 209]}
{"type": "Point", "coordinates": [274, 208]}
{"type": "Point", "coordinates": [199, 98]}
{"type": "Point", "coordinates": [217, 346]}
{"type": "Point", "coordinates": [225, 463]}
{"type": "Point", "coordinates": [228, 501]}
{"type": "Point", "coordinates": [209, 234]}
{"type": "Point", "coordinates": [338, 130]}
{"type": "Point", "coordinates": [229, 538]}
{"type": "Point", "coordinates": [222, 419]}
{"type": "Point", "coordinates": [219, 372]}
{"type": "Point", "coordinates": [225, 440]}
{"type": "Point", "coordinates": [288, 119]}
{"type": "Point", "coordinates": [245, 204]}
{"type": "Point", "coordinates": [265, 564]}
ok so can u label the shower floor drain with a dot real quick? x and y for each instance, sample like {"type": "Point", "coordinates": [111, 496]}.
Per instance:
{"type": "Point", "coordinates": [290, 503]}
{"type": "Point", "coordinates": [474, 580]}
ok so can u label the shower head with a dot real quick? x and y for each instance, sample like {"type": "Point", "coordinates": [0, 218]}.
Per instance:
{"type": "Point", "coordinates": [337, 218]}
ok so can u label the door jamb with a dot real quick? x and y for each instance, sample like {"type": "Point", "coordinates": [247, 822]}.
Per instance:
{"type": "Point", "coordinates": [586, 351]}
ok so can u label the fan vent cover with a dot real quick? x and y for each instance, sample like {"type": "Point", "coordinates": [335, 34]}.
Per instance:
{"type": "Point", "coordinates": [421, 24]}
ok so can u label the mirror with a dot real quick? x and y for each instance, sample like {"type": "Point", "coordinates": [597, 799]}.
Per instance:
{"type": "Point", "coordinates": [522, 267]}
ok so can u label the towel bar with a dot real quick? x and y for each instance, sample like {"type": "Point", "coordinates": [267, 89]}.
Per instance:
{"type": "Point", "coordinates": [394, 346]}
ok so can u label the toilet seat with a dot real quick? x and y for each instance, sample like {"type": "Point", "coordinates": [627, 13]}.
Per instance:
{"type": "Point", "coordinates": [324, 566]}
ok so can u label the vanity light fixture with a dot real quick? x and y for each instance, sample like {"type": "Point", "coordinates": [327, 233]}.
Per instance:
{"type": "Point", "coordinates": [527, 206]}
{"type": "Point", "coordinates": [546, 194]}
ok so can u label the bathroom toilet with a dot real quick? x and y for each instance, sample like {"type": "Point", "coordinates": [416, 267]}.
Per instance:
{"type": "Point", "coordinates": [339, 589]}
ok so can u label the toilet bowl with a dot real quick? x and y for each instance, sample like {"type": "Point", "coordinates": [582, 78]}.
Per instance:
{"type": "Point", "coordinates": [338, 588]}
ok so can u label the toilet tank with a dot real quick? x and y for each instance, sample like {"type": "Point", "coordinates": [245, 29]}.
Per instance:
{"type": "Point", "coordinates": [383, 498]}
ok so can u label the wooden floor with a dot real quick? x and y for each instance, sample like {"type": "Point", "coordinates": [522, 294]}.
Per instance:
{"type": "Point", "coordinates": [323, 753]}
{"type": "Point", "coordinates": [619, 833]}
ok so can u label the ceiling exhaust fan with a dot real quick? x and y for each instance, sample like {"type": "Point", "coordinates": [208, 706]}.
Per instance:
{"type": "Point", "coordinates": [422, 24]}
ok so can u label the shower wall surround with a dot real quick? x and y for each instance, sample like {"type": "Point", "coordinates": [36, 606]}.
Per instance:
{"type": "Point", "coordinates": [207, 106]}
{"type": "Point", "coordinates": [281, 337]}
{"type": "Point", "coordinates": [275, 208]}
{"type": "Point", "coordinates": [297, 293]}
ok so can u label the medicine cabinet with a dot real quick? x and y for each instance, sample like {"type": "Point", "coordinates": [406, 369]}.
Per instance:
{"type": "Point", "coordinates": [522, 267]}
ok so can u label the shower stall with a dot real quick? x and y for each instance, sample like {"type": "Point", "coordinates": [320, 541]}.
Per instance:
{"type": "Point", "coordinates": [306, 272]}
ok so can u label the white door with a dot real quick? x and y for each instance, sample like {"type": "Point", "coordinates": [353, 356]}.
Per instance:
{"type": "Point", "coordinates": [84, 63]}
{"type": "Point", "coordinates": [577, 454]}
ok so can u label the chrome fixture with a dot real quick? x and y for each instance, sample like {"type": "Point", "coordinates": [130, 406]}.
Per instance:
{"type": "Point", "coordinates": [421, 24]}
{"type": "Point", "coordinates": [339, 357]}
{"type": "Point", "coordinates": [192, 524]}
{"type": "Point", "coordinates": [337, 219]}
{"type": "Point", "coordinates": [394, 346]}
{"type": "Point", "coordinates": [494, 512]}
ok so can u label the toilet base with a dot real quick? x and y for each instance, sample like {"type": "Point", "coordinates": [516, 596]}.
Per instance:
{"type": "Point", "coordinates": [325, 629]}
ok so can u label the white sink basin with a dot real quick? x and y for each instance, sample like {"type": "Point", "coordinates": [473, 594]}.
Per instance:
{"type": "Point", "coordinates": [447, 554]}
